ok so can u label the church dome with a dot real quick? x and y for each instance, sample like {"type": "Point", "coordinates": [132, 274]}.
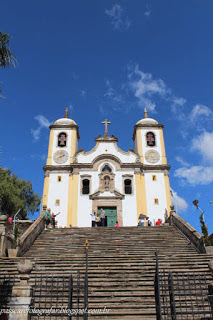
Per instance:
{"type": "Point", "coordinates": [146, 119]}
{"type": "Point", "coordinates": [65, 120]}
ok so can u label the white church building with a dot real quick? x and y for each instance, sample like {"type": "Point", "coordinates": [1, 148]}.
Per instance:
{"type": "Point", "coordinates": [124, 184]}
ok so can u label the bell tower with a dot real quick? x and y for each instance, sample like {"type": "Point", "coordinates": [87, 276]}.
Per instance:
{"type": "Point", "coordinates": [63, 144]}
{"type": "Point", "coordinates": [153, 187]}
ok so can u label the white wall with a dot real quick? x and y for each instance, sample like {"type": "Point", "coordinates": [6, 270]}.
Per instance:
{"type": "Point", "coordinates": [155, 189]}
{"type": "Point", "coordinates": [106, 148]}
{"type": "Point", "coordinates": [59, 190]}
{"type": "Point", "coordinates": [129, 208]}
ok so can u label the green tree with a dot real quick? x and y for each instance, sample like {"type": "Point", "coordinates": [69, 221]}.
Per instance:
{"type": "Point", "coordinates": [204, 229]}
{"type": "Point", "coordinates": [6, 56]}
{"type": "Point", "coordinates": [17, 194]}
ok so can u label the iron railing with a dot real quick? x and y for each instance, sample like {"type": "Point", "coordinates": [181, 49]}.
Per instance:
{"type": "Point", "coordinates": [6, 286]}
{"type": "Point", "coordinates": [181, 296]}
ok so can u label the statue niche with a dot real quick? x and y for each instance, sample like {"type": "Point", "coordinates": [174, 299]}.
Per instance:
{"type": "Point", "coordinates": [106, 177]}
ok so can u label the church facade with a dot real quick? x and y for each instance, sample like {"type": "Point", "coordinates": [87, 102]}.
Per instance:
{"type": "Point", "coordinates": [125, 184]}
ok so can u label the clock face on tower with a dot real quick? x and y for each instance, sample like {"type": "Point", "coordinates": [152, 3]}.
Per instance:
{"type": "Point", "coordinates": [152, 156]}
{"type": "Point", "coordinates": [60, 156]}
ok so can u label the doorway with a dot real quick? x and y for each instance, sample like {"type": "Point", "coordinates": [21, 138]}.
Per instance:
{"type": "Point", "coordinates": [110, 216]}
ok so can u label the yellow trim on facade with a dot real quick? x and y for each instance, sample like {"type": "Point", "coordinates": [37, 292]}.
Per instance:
{"type": "Point", "coordinates": [72, 207]}
{"type": "Point", "coordinates": [139, 143]}
{"type": "Point", "coordinates": [163, 151]}
{"type": "Point", "coordinates": [50, 148]}
{"type": "Point", "coordinates": [140, 194]}
{"type": "Point", "coordinates": [45, 191]}
{"type": "Point", "coordinates": [74, 144]}
{"type": "Point", "coordinates": [168, 193]}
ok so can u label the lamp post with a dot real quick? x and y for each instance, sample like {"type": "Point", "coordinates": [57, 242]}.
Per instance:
{"type": "Point", "coordinates": [195, 203]}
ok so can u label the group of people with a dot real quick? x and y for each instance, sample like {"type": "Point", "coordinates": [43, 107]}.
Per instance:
{"type": "Point", "coordinates": [98, 219]}
{"type": "Point", "coordinates": [141, 222]}
{"type": "Point", "coordinates": [50, 219]}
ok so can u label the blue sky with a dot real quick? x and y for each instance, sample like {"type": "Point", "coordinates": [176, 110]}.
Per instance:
{"type": "Point", "coordinates": [110, 59]}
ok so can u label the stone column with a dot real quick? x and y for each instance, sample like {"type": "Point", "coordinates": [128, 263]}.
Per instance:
{"type": "Point", "coordinates": [21, 293]}
{"type": "Point", "coordinates": [3, 238]}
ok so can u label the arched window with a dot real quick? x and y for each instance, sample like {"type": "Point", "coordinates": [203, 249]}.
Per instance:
{"type": "Point", "coordinates": [85, 186]}
{"type": "Point", "coordinates": [62, 139]}
{"type": "Point", "coordinates": [106, 168]}
{"type": "Point", "coordinates": [150, 139]}
{"type": "Point", "coordinates": [128, 186]}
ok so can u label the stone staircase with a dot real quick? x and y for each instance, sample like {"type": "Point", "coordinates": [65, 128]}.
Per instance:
{"type": "Point", "coordinates": [121, 264]}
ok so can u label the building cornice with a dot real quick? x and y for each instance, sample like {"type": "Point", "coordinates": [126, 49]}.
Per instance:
{"type": "Point", "coordinates": [141, 166]}
{"type": "Point", "coordinates": [65, 126]}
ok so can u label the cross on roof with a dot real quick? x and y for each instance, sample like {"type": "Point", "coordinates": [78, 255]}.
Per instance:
{"type": "Point", "coordinates": [105, 122]}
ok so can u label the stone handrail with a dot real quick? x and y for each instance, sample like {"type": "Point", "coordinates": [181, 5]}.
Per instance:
{"type": "Point", "coordinates": [193, 235]}
{"type": "Point", "coordinates": [27, 239]}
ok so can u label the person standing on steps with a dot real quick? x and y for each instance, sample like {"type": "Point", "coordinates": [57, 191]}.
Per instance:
{"type": "Point", "coordinates": [47, 218]}
{"type": "Point", "coordinates": [93, 215]}
{"type": "Point", "coordinates": [159, 222]}
{"type": "Point", "coordinates": [97, 220]}
{"type": "Point", "coordinates": [53, 218]}
{"type": "Point", "coordinates": [102, 216]}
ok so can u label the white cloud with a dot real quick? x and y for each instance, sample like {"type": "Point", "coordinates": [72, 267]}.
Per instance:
{"type": "Point", "coordinates": [83, 93]}
{"type": "Point", "coordinates": [200, 111]}
{"type": "Point", "coordinates": [113, 97]}
{"type": "Point", "coordinates": [43, 122]}
{"type": "Point", "coordinates": [118, 20]}
{"type": "Point", "coordinates": [36, 133]}
{"type": "Point", "coordinates": [75, 76]}
{"type": "Point", "coordinates": [182, 161]}
{"type": "Point", "coordinates": [148, 11]}
{"type": "Point", "coordinates": [196, 175]}
{"type": "Point", "coordinates": [180, 203]}
{"type": "Point", "coordinates": [145, 87]}
{"type": "Point", "coordinates": [71, 108]}
{"type": "Point", "coordinates": [177, 105]}
{"type": "Point", "coordinates": [204, 145]}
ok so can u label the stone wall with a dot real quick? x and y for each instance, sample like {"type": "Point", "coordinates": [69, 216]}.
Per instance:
{"type": "Point", "coordinates": [192, 234]}
{"type": "Point", "coordinates": [211, 238]}
{"type": "Point", "coordinates": [30, 235]}
{"type": "Point", "coordinates": [23, 225]}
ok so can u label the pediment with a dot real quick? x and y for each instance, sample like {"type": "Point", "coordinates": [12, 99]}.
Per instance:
{"type": "Point", "coordinates": [106, 194]}
{"type": "Point", "coordinates": [106, 149]}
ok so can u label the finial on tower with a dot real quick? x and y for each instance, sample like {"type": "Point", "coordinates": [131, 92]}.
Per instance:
{"type": "Point", "coordinates": [66, 113]}
{"type": "Point", "coordinates": [145, 113]}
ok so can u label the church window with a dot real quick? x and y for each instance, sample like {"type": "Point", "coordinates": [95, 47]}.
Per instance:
{"type": "Point", "coordinates": [156, 201]}
{"type": "Point", "coordinates": [128, 186]}
{"type": "Point", "coordinates": [59, 178]}
{"type": "Point", "coordinates": [62, 139]}
{"type": "Point", "coordinates": [107, 168]}
{"type": "Point", "coordinates": [57, 202]}
{"type": "Point", "coordinates": [85, 186]}
{"type": "Point", "coordinates": [150, 139]}
{"type": "Point", "coordinates": [154, 178]}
